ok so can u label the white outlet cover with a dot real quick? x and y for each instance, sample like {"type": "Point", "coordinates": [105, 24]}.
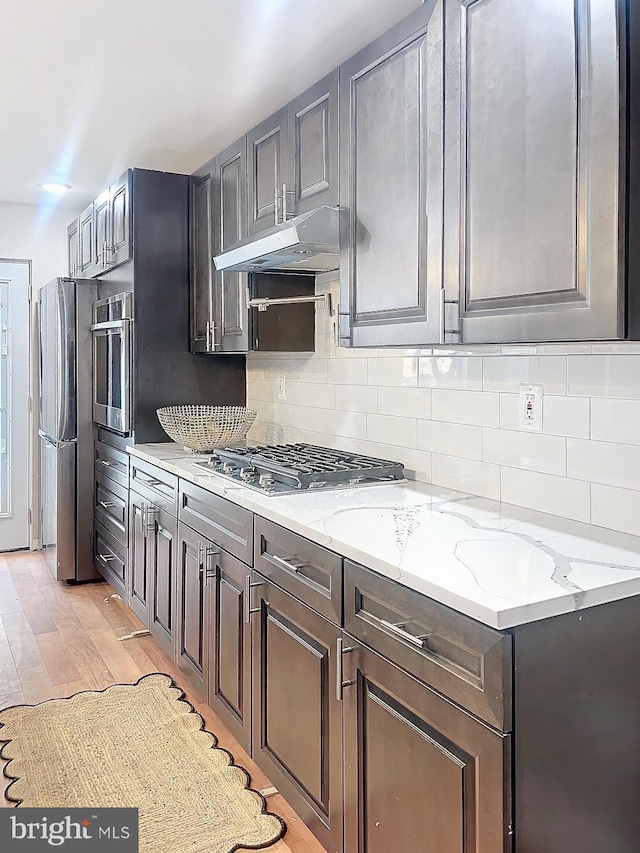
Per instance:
{"type": "Point", "coordinates": [282, 387]}
{"type": "Point", "coordinates": [530, 407]}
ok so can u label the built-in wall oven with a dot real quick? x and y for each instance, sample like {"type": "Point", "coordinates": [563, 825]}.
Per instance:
{"type": "Point", "coordinates": [112, 331]}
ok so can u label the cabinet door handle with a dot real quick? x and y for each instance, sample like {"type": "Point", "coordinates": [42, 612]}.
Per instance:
{"type": "Point", "coordinates": [248, 586]}
{"type": "Point", "coordinates": [285, 202]}
{"type": "Point", "coordinates": [340, 651]}
{"type": "Point", "coordinates": [276, 205]}
{"type": "Point", "coordinates": [206, 550]}
{"type": "Point", "coordinates": [397, 628]}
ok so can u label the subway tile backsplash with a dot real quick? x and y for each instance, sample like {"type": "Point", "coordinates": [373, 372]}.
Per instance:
{"type": "Point", "coordinates": [451, 417]}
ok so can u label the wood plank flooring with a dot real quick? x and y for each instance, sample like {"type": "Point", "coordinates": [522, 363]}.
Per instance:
{"type": "Point", "coordinates": [57, 639]}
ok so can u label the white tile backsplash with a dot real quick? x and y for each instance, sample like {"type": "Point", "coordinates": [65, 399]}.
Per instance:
{"type": "Point", "coordinates": [615, 420]}
{"type": "Point", "coordinates": [466, 407]}
{"type": "Point", "coordinates": [409, 402]}
{"type": "Point", "coordinates": [403, 432]}
{"type": "Point", "coordinates": [545, 492]}
{"type": "Point", "coordinates": [466, 475]}
{"type": "Point", "coordinates": [604, 376]}
{"type": "Point", "coordinates": [452, 373]}
{"type": "Point", "coordinates": [530, 451]}
{"type": "Point", "coordinates": [507, 373]}
{"type": "Point", "coordinates": [450, 415]}
{"type": "Point", "coordinates": [450, 439]}
{"type": "Point", "coordinates": [604, 462]}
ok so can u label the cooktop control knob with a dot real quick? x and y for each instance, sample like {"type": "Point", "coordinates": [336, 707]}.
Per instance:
{"type": "Point", "coordinates": [247, 474]}
{"type": "Point", "coordinates": [266, 480]}
{"type": "Point", "coordinates": [228, 468]}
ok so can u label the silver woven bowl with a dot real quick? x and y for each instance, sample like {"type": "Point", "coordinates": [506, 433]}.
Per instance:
{"type": "Point", "coordinates": [205, 428]}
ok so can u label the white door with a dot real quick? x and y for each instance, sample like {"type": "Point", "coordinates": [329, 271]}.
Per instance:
{"type": "Point", "coordinates": [14, 405]}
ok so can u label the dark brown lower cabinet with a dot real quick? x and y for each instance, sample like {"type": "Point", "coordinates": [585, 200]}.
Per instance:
{"type": "Point", "coordinates": [152, 570]}
{"type": "Point", "coordinates": [297, 717]}
{"type": "Point", "coordinates": [161, 542]}
{"type": "Point", "coordinates": [420, 773]}
{"type": "Point", "coordinates": [193, 571]}
{"type": "Point", "coordinates": [229, 669]}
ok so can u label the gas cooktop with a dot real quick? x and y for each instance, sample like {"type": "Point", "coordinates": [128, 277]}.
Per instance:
{"type": "Point", "coordinates": [289, 468]}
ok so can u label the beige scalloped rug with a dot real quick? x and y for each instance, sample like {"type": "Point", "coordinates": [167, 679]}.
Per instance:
{"type": "Point", "coordinates": [137, 745]}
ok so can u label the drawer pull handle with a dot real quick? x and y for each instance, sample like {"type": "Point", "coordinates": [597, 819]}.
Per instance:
{"type": "Point", "coordinates": [108, 504]}
{"type": "Point", "coordinates": [397, 629]}
{"type": "Point", "coordinates": [106, 558]}
{"type": "Point", "coordinates": [288, 564]}
{"type": "Point", "coordinates": [151, 481]}
{"type": "Point", "coordinates": [104, 462]}
{"type": "Point", "coordinates": [340, 651]}
{"type": "Point", "coordinates": [248, 610]}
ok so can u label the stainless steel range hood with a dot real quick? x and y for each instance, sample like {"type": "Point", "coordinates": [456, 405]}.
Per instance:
{"type": "Point", "coordinates": [310, 242]}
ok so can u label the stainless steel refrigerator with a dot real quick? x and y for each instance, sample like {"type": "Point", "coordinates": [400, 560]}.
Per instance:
{"type": "Point", "coordinates": [66, 427]}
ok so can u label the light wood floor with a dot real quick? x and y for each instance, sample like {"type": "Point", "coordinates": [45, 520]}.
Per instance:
{"type": "Point", "coordinates": [57, 639]}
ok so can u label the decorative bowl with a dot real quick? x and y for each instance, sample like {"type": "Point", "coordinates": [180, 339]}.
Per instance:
{"type": "Point", "coordinates": [206, 428]}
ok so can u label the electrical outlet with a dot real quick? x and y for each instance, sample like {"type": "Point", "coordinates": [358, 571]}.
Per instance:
{"type": "Point", "coordinates": [282, 387]}
{"type": "Point", "coordinates": [530, 407]}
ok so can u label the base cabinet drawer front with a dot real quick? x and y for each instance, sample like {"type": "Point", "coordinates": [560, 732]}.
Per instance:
{"type": "Point", "coordinates": [420, 774]}
{"type": "Point", "coordinates": [468, 662]}
{"type": "Point", "coordinates": [158, 487]}
{"type": "Point", "coordinates": [229, 665]}
{"type": "Point", "coordinates": [140, 556]}
{"type": "Point", "coordinates": [217, 519]}
{"type": "Point", "coordinates": [306, 570]}
{"type": "Point", "coordinates": [161, 539]}
{"type": "Point", "coordinates": [193, 565]}
{"type": "Point", "coordinates": [110, 558]}
{"type": "Point", "coordinates": [112, 463]}
{"type": "Point", "coordinates": [111, 506]}
{"type": "Point", "coordinates": [297, 737]}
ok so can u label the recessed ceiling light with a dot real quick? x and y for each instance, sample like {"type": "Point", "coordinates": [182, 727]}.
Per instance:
{"type": "Point", "coordinates": [56, 189]}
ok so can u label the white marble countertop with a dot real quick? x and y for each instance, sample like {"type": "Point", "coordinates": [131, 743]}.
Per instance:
{"type": "Point", "coordinates": [497, 563]}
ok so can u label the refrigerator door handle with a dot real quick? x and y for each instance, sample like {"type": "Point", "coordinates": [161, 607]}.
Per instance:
{"type": "Point", "coordinates": [66, 366]}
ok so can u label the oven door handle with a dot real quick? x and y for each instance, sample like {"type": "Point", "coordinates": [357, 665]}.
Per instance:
{"type": "Point", "coordinates": [111, 325]}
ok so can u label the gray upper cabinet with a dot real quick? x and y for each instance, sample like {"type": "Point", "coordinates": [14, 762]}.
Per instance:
{"type": "Point", "coordinates": [86, 256]}
{"type": "Point", "coordinates": [312, 148]}
{"type": "Point", "coordinates": [100, 238]}
{"type": "Point", "coordinates": [230, 313]}
{"type": "Point", "coordinates": [201, 264]}
{"type": "Point", "coordinates": [293, 157]}
{"type": "Point", "coordinates": [532, 153]}
{"type": "Point", "coordinates": [219, 314]}
{"type": "Point", "coordinates": [266, 152]}
{"type": "Point", "coordinates": [119, 247]}
{"type": "Point", "coordinates": [391, 184]}
{"type": "Point", "coordinates": [73, 247]}
{"type": "Point", "coordinates": [101, 233]}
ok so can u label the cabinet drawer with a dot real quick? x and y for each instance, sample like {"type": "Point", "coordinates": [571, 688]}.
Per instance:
{"type": "Point", "coordinates": [154, 484]}
{"type": "Point", "coordinates": [306, 570]}
{"type": "Point", "coordinates": [223, 522]}
{"type": "Point", "coordinates": [464, 660]}
{"type": "Point", "coordinates": [110, 557]}
{"type": "Point", "coordinates": [111, 462]}
{"type": "Point", "coordinates": [110, 506]}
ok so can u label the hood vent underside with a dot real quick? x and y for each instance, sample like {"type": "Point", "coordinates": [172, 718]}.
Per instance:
{"type": "Point", "coordinates": [310, 242]}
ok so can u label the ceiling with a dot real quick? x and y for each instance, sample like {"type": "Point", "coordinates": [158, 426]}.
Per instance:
{"type": "Point", "coordinates": [90, 87]}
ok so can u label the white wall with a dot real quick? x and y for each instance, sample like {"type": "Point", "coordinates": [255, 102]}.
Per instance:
{"type": "Point", "coordinates": [450, 416]}
{"type": "Point", "coordinates": [38, 234]}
